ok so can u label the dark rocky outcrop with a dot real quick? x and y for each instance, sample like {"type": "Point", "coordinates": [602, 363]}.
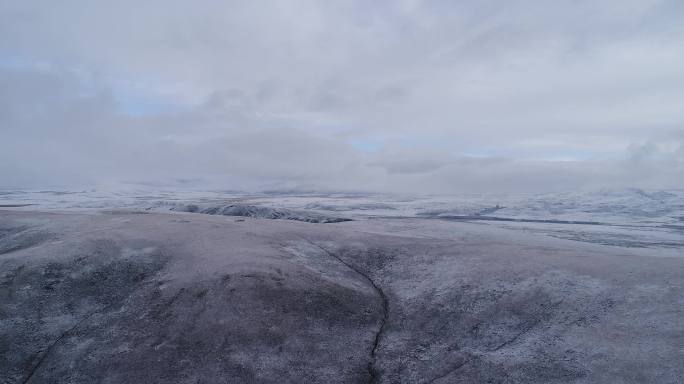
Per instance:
{"type": "Point", "coordinates": [261, 212]}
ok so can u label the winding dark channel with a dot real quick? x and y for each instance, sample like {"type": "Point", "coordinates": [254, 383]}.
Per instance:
{"type": "Point", "coordinates": [373, 373]}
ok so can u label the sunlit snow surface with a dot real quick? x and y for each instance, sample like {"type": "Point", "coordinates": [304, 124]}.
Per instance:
{"type": "Point", "coordinates": [626, 218]}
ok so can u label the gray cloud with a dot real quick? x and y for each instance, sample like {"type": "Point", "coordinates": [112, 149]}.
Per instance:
{"type": "Point", "coordinates": [466, 96]}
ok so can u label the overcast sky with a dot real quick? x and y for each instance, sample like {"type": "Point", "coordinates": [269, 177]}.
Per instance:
{"type": "Point", "coordinates": [411, 96]}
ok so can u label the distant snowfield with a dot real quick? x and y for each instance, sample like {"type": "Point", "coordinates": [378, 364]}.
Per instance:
{"type": "Point", "coordinates": [629, 218]}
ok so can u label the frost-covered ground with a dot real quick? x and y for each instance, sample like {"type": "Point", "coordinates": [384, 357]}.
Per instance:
{"type": "Point", "coordinates": [623, 218]}
{"type": "Point", "coordinates": [629, 206]}
{"type": "Point", "coordinates": [191, 286]}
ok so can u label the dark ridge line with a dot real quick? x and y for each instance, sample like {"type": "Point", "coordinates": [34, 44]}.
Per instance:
{"type": "Point", "coordinates": [469, 218]}
{"type": "Point", "coordinates": [87, 317]}
{"type": "Point", "coordinates": [551, 221]}
{"type": "Point", "coordinates": [512, 340]}
{"type": "Point", "coordinates": [372, 372]}
{"type": "Point", "coordinates": [529, 328]}
{"type": "Point", "coordinates": [48, 350]}
{"type": "Point", "coordinates": [466, 218]}
{"type": "Point", "coordinates": [511, 219]}
{"type": "Point", "coordinates": [450, 371]}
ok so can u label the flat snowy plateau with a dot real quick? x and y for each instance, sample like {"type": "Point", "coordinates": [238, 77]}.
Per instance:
{"type": "Point", "coordinates": [143, 296]}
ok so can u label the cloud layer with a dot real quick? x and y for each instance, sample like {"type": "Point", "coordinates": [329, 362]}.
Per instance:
{"type": "Point", "coordinates": [414, 96]}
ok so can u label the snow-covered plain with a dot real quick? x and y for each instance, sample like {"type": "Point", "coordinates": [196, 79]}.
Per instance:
{"type": "Point", "coordinates": [629, 206]}
{"type": "Point", "coordinates": [194, 286]}
{"type": "Point", "coordinates": [623, 218]}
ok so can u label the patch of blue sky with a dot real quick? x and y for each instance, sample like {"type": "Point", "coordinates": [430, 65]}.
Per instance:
{"type": "Point", "coordinates": [480, 152]}
{"type": "Point", "coordinates": [130, 97]}
{"type": "Point", "coordinates": [543, 154]}
{"type": "Point", "coordinates": [366, 145]}
{"type": "Point", "coordinates": [17, 63]}
{"type": "Point", "coordinates": [139, 105]}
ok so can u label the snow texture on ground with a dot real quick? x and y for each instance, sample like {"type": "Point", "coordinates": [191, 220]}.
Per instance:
{"type": "Point", "coordinates": [137, 292]}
